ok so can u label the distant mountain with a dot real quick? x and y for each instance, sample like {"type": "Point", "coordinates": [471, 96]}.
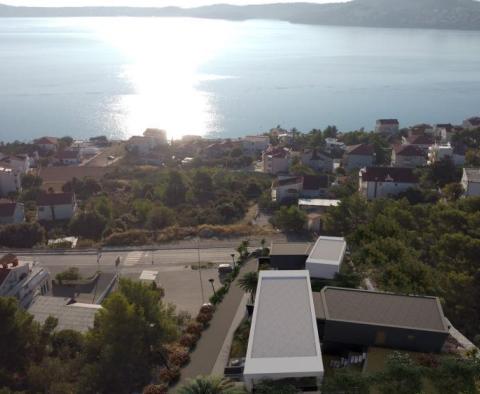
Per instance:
{"type": "Point", "coordinates": [434, 14]}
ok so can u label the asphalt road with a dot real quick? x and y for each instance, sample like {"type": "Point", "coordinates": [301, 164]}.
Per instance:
{"type": "Point", "coordinates": [185, 287]}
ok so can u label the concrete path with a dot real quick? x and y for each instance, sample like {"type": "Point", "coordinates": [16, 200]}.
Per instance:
{"type": "Point", "coordinates": [210, 345]}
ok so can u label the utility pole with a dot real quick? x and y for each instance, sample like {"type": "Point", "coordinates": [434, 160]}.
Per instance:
{"type": "Point", "coordinates": [200, 270]}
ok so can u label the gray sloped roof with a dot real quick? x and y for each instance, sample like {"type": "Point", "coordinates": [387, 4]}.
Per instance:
{"type": "Point", "coordinates": [378, 308]}
{"type": "Point", "coordinates": [77, 317]}
{"type": "Point", "coordinates": [291, 249]}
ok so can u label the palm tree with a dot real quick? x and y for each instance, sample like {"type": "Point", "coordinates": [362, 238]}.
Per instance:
{"type": "Point", "coordinates": [248, 283]}
{"type": "Point", "coordinates": [209, 385]}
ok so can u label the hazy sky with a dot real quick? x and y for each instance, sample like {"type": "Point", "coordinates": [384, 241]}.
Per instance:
{"type": "Point", "coordinates": [149, 3]}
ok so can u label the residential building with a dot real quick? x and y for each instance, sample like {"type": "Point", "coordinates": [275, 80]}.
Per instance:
{"type": "Point", "coordinates": [47, 144]}
{"type": "Point", "coordinates": [221, 148]}
{"type": "Point", "coordinates": [56, 206]}
{"type": "Point", "coordinates": [367, 318]}
{"type": "Point", "coordinates": [387, 126]}
{"type": "Point", "coordinates": [19, 163]}
{"type": "Point", "coordinates": [407, 155]}
{"type": "Point", "coordinates": [255, 144]}
{"type": "Point", "coordinates": [158, 137]}
{"type": "Point", "coordinates": [444, 131]}
{"type": "Point", "coordinates": [358, 156]}
{"type": "Point", "coordinates": [319, 205]}
{"type": "Point", "coordinates": [11, 212]}
{"type": "Point", "coordinates": [326, 257]}
{"type": "Point", "coordinates": [139, 145]}
{"type": "Point", "coordinates": [472, 123]}
{"type": "Point", "coordinates": [439, 152]}
{"type": "Point", "coordinates": [307, 186]}
{"type": "Point", "coordinates": [287, 188]}
{"type": "Point", "coordinates": [420, 129]}
{"type": "Point", "coordinates": [68, 157]}
{"type": "Point", "coordinates": [377, 182]}
{"type": "Point", "coordinates": [422, 141]}
{"type": "Point", "coordinates": [276, 160]}
{"type": "Point", "coordinates": [334, 145]}
{"type": "Point", "coordinates": [71, 315]}
{"type": "Point", "coordinates": [317, 160]}
{"type": "Point", "coordinates": [471, 182]}
{"type": "Point", "coordinates": [22, 280]}
{"type": "Point", "coordinates": [284, 341]}
{"type": "Point", "coordinates": [10, 181]}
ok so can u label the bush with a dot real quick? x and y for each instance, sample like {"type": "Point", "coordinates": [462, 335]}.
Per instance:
{"type": "Point", "coordinates": [24, 235]}
{"type": "Point", "coordinates": [194, 328]}
{"type": "Point", "coordinates": [207, 309]}
{"type": "Point", "coordinates": [178, 356]}
{"type": "Point", "coordinates": [204, 318]}
{"type": "Point", "coordinates": [188, 340]}
{"type": "Point", "coordinates": [88, 225]}
{"type": "Point", "coordinates": [128, 238]}
{"type": "Point", "coordinates": [169, 375]}
{"type": "Point", "coordinates": [72, 273]}
{"type": "Point", "coordinates": [217, 298]}
{"type": "Point", "coordinates": [155, 389]}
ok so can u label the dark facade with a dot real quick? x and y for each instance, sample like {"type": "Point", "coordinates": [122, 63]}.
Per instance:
{"type": "Point", "coordinates": [390, 337]}
{"type": "Point", "coordinates": [288, 262]}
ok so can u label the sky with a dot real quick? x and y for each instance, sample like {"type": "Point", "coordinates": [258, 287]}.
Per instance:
{"type": "Point", "coordinates": [144, 3]}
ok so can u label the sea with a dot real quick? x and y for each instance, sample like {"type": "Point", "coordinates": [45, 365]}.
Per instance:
{"type": "Point", "coordinates": [85, 77]}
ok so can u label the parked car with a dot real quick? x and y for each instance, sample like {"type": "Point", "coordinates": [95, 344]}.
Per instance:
{"type": "Point", "coordinates": [224, 269]}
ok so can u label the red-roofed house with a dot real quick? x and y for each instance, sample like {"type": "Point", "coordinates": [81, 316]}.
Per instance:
{"type": "Point", "coordinates": [11, 212]}
{"type": "Point", "coordinates": [408, 156]}
{"type": "Point", "coordinates": [377, 182]}
{"type": "Point", "coordinates": [358, 156]}
{"type": "Point", "coordinates": [387, 126]}
{"type": "Point", "coordinates": [423, 141]}
{"type": "Point", "coordinates": [47, 144]}
{"type": "Point", "coordinates": [472, 123]}
{"type": "Point", "coordinates": [56, 206]}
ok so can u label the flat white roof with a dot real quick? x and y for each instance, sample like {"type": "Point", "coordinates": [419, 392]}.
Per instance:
{"type": "Point", "coordinates": [318, 202]}
{"type": "Point", "coordinates": [283, 339]}
{"type": "Point", "coordinates": [328, 250]}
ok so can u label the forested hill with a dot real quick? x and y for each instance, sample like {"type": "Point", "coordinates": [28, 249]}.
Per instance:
{"type": "Point", "coordinates": [431, 14]}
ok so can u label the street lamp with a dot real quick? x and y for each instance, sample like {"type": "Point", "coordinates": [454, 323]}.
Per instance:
{"type": "Point", "coordinates": [233, 259]}
{"type": "Point", "coordinates": [213, 287]}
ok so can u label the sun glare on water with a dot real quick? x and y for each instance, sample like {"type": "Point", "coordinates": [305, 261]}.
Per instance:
{"type": "Point", "coordinates": [164, 59]}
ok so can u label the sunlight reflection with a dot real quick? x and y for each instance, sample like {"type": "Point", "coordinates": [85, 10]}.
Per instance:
{"type": "Point", "coordinates": [165, 56]}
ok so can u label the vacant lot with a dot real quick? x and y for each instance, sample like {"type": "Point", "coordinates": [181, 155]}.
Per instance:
{"type": "Point", "coordinates": [56, 177]}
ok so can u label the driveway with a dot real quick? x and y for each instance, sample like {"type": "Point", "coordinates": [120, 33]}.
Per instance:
{"type": "Point", "coordinates": [210, 344]}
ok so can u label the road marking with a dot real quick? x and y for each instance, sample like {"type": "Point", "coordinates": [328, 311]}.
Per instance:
{"type": "Point", "coordinates": [132, 258]}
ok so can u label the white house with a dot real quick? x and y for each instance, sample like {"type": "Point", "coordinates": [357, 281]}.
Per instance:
{"type": "Point", "coordinates": [439, 152]}
{"type": "Point", "coordinates": [306, 186]}
{"type": "Point", "coordinates": [22, 280]}
{"type": "Point", "coordinates": [358, 156]}
{"type": "Point", "coordinates": [471, 182]}
{"type": "Point", "coordinates": [387, 126]}
{"type": "Point", "coordinates": [56, 206]}
{"type": "Point", "coordinates": [377, 182]}
{"type": "Point", "coordinates": [11, 212]}
{"type": "Point", "coordinates": [333, 144]}
{"type": "Point", "coordinates": [284, 341]}
{"type": "Point", "coordinates": [472, 123]}
{"type": "Point", "coordinates": [444, 131]}
{"type": "Point", "coordinates": [47, 144]}
{"type": "Point", "coordinates": [255, 144]}
{"type": "Point", "coordinates": [317, 160]}
{"type": "Point", "coordinates": [68, 157]}
{"type": "Point", "coordinates": [408, 156]}
{"type": "Point", "coordinates": [139, 145]}
{"type": "Point", "coordinates": [276, 160]}
{"type": "Point", "coordinates": [19, 163]}
{"type": "Point", "coordinates": [326, 257]}
{"type": "Point", "coordinates": [10, 181]}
